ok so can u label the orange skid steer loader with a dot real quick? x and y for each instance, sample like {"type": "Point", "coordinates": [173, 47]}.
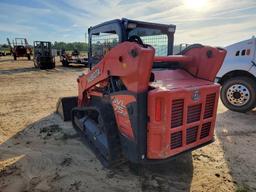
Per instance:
{"type": "Point", "coordinates": [139, 101]}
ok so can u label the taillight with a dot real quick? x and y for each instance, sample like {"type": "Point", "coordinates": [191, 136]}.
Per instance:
{"type": "Point", "coordinates": [158, 109]}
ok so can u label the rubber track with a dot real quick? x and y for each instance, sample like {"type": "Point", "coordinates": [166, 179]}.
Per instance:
{"type": "Point", "coordinates": [107, 124]}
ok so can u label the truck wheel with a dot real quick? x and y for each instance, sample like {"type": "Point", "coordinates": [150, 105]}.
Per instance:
{"type": "Point", "coordinates": [239, 94]}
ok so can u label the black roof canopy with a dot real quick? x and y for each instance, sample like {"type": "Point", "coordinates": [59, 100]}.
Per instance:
{"type": "Point", "coordinates": [112, 25]}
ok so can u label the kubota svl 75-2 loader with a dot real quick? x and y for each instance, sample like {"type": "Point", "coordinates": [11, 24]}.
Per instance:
{"type": "Point", "coordinates": [139, 101]}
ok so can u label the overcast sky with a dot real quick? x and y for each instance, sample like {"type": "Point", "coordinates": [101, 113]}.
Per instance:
{"type": "Point", "coordinates": [212, 22]}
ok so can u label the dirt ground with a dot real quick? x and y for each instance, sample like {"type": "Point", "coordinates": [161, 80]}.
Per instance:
{"type": "Point", "coordinates": [39, 152]}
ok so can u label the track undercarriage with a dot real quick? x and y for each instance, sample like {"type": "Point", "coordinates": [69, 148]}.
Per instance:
{"type": "Point", "coordinates": [96, 123]}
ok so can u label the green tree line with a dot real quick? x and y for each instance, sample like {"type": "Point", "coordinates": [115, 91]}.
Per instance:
{"type": "Point", "coordinates": [80, 46]}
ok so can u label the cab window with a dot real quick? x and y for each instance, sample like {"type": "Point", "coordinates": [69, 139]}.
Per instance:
{"type": "Point", "coordinates": [153, 37]}
{"type": "Point", "coordinates": [101, 44]}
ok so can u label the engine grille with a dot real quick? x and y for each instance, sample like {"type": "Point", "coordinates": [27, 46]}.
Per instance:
{"type": "Point", "coordinates": [191, 134]}
{"type": "Point", "coordinates": [209, 105]}
{"type": "Point", "coordinates": [176, 140]}
{"type": "Point", "coordinates": [205, 130]}
{"type": "Point", "coordinates": [185, 133]}
{"type": "Point", "coordinates": [177, 113]}
{"type": "Point", "coordinates": [194, 113]}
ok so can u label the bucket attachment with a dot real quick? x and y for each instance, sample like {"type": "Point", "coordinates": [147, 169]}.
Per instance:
{"type": "Point", "coordinates": [65, 106]}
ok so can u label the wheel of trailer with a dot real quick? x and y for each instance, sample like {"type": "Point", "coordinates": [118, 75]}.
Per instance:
{"type": "Point", "coordinates": [97, 125]}
{"type": "Point", "coordinates": [239, 94]}
{"type": "Point", "coordinates": [65, 63]}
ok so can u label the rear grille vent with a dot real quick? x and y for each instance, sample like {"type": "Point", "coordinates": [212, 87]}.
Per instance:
{"type": "Point", "coordinates": [176, 140]}
{"type": "Point", "coordinates": [209, 105]}
{"type": "Point", "coordinates": [191, 134]}
{"type": "Point", "coordinates": [194, 113]}
{"type": "Point", "coordinates": [205, 131]}
{"type": "Point", "coordinates": [177, 113]}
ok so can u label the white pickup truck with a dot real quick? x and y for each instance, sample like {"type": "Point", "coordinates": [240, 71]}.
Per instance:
{"type": "Point", "coordinates": [238, 76]}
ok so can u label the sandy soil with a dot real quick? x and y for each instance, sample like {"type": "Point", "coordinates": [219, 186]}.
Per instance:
{"type": "Point", "coordinates": [39, 152]}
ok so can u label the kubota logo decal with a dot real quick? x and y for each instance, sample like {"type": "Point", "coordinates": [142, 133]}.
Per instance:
{"type": "Point", "coordinates": [196, 95]}
{"type": "Point", "coordinates": [119, 106]}
{"type": "Point", "coordinates": [93, 75]}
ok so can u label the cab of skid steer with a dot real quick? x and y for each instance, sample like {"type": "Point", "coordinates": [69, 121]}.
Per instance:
{"type": "Point", "coordinates": [105, 36]}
